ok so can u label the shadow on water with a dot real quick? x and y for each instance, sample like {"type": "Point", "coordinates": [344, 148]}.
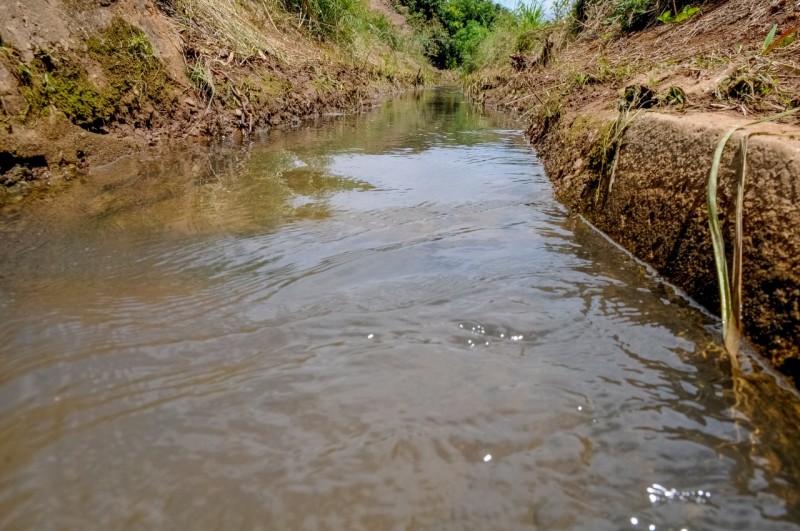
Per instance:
{"type": "Point", "coordinates": [376, 321]}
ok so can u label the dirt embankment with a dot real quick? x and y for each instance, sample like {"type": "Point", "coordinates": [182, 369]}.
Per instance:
{"type": "Point", "coordinates": [626, 125]}
{"type": "Point", "coordinates": [84, 82]}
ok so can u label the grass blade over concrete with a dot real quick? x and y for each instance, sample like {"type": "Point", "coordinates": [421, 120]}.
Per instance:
{"type": "Point", "coordinates": [731, 296]}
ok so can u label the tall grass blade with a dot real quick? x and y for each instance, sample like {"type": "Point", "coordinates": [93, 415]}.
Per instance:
{"type": "Point", "coordinates": [782, 38]}
{"type": "Point", "coordinates": [732, 334]}
{"type": "Point", "coordinates": [769, 39]}
{"type": "Point", "coordinates": [717, 241]}
{"type": "Point", "coordinates": [731, 298]}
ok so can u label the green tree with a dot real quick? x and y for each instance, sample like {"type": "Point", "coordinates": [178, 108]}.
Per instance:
{"type": "Point", "coordinates": [452, 30]}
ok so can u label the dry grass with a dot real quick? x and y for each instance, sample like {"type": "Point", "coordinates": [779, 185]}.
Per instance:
{"type": "Point", "coordinates": [713, 61]}
{"type": "Point", "coordinates": [752, 83]}
{"type": "Point", "coordinates": [321, 31]}
{"type": "Point", "coordinates": [247, 27]}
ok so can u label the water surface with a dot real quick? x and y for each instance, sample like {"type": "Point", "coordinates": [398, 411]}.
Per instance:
{"type": "Point", "coordinates": [377, 322]}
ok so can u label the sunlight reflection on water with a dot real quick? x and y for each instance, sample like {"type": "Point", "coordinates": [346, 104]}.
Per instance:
{"type": "Point", "coordinates": [380, 321]}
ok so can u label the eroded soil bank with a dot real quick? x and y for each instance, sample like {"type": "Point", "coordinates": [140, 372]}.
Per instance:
{"type": "Point", "coordinates": [83, 83]}
{"type": "Point", "coordinates": [626, 126]}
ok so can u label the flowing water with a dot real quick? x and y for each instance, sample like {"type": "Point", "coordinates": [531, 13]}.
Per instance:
{"type": "Point", "coordinates": [377, 322]}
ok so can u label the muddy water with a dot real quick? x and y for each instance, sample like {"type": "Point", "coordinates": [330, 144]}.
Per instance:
{"type": "Point", "coordinates": [377, 322]}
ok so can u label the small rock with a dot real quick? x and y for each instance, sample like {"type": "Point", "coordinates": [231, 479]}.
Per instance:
{"type": "Point", "coordinates": [15, 175]}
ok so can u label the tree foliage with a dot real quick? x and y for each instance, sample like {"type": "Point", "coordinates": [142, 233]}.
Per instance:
{"type": "Point", "coordinates": [453, 29]}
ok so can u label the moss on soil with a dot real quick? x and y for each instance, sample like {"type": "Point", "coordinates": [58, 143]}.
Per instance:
{"type": "Point", "coordinates": [132, 70]}
{"type": "Point", "coordinates": [131, 76]}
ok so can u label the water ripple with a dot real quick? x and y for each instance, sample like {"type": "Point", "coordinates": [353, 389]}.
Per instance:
{"type": "Point", "coordinates": [380, 321]}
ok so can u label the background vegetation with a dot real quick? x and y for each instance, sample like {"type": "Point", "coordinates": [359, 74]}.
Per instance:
{"type": "Point", "coordinates": [450, 34]}
{"type": "Point", "coordinates": [474, 34]}
{"type": "Point", "coordinates": [450, 30]}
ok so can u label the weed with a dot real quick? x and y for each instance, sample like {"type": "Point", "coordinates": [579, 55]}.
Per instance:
{"type": "Point", "coordinates": [770, 38]}
{"type": "Point", "coordinates": [530, 14]}
{"type": "Point", "coordinates": [631, 15]}
{"type": "Point", "coordinates": [608, 72]}
{"type": "Point", "coordinates": [747, 85]}
{"type": "Point", "coordinates": [784, 39]}
{"type": "Point", "coordinates": [673, 96]}
{"type": "Point", "coordinates": [605, 72]}
{"type": "Point", "coordinates": [729, 324]}
{"type": "Point", "coordinates": [24, 75]}
{"type": "Point", "coordinates": [381, 27]}
{"type": "Point", "coordinates": [238, 25]}
{"type": "Point", "coordinates": [65, 87]}
{"type": "Point", "coordinates": [526, 41]}
{"type": "Point", "coordinates": [668, 18]}
{"type": "Point", "coordinates": [711, 62]}
{"type": "Point", "coordinates": [139, 46]}
{"type": "Point", "coordinates": [604, 155]}
{"type": "Point", "coordinates": [581, 79]}
{"type": "Point", "coordinates": [273, 86]}
{"type": "Point", "coordinates": [514, 34]}
{"type": "Point", "coordinates": [336, 19]}
{"type": "Point", "coordinates": [548, 114]}
{"type": "Point", "coordinates": [203, 80]}
{"type": "Point", "coordinates": [132, 70]}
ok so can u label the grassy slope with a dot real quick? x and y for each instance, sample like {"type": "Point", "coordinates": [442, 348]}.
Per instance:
{"type": "Point", "coordinates": [712, 61]}
{"type": "Point", "coordinates": [83, 83]}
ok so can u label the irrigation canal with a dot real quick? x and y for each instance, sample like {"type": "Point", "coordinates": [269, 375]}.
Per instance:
{"type": "Point", "coordinates": [381, 321]}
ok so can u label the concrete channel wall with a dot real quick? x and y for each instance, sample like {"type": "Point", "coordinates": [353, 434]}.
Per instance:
{"type": "Point", "coordinates": [655, 206]}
